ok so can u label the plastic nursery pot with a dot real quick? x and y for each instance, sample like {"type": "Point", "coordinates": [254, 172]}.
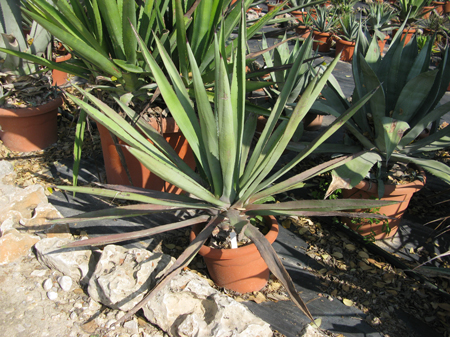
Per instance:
{"type": "Point", "coordinates": [60, 77]}
{"type": "Point", "coordinates": [369, 190]}
{"type": "Point", "coordinates": [242, 269]}
{"type": "Point", "coordinates": [30, 129]}
{"type": "Point", "coordinates": [140, 175]}
{"type": "Point", "coordinates": [439, 5]}
{"type": "Point", "coordinates": [409, 32]}
{"type": "Point", "coordinates": [347, 48]}
{"type": "Point", "coordinates": [324, 41]}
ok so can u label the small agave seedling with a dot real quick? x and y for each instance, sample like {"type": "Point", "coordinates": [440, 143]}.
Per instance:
{"type": "Point", "coordinates": [231, 185]}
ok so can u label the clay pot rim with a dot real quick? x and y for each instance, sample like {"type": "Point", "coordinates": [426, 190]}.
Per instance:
{"type": "Point", "coordinates": [345, 42]}
{"type": "Point", "coordinates": [389, 189]}
{"type": "Point", "coordinates": [31, 111]}
{"type": "Point", "coordinates": [316, 32]}
{"type": "Point", "coordinates": [226, 254]}
{"type": "Point", "coordinates": [409, 30]}
{"type": "Point", "coordinates": [62, 58]}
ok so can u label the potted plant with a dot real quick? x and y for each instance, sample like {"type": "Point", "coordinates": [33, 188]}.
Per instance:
{"type": "Point", "coordinates": [439, 6]}
{"type": "Point", "coordinates": [299, 7]}
{"type": "Point", "coordinates": [303, 30]}
{"type": "Point", "coordinates": [99, 35]}
{"type": "Point", "coordinates": [344, 6]}
{"type": "Point", "coordinates": [28, 103]}
{"type": "Point", "coordinates": [346, 36]}
{"type": "Point", "coordinates": [392, 124]}
{"type": "Point", "coordinates": [233, 185]}
{"type": "Point", "coordinates": [410, 11]}
{"type": "Point", "coordinates": [434, 24]}
{"type": "Point", "coordinates": [60, 54]}
{"type": "Point", "coordinates": [379, 17]}
{"type": "Point", "coordinates": [324, 25]}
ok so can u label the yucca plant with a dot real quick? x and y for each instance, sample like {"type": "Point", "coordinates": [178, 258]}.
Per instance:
{"type": "Point", "coordinates": [19, 78]}
{"type": "Point", "coordinates": [231, 185]}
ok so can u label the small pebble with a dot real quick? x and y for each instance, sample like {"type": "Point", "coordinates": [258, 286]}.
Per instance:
{"type": "Point", "coordinates": [119, 315]}
{"type": "Point", "coordinates": [65, 282]}
{"type": "Point", "coordinates": [52, 295]}
{"type": "Point", "coordinates": [73, 315]}
{"type": "Point", "coordinates": [48, 284]}
{"type": "Point", "coordinates": [39, 272]}
{"type": "Point", "coordinates": [94, 306]}
{"type": "Point", "coordinates": [110, 323]}
{"type": "Point", "coordinates": [131, 326]}
{"type": "Point", "coordinates": [78, 305]}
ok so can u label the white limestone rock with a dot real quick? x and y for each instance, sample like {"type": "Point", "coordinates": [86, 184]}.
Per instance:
{"type": "Point", "coordinates": [78, 263]}
{"type": "Point", "coordinates": [123, 276]}
{"type": "Point", "coordinates": [65, 282]}
{"type": "Point", "coordinates": [7, 173]}
{"type": "Point", "coordinates": [15, 244]}
{"type": "Point", "coordinates": [24, 201]}
{"type": "Point", "coordinates": [188, 306]}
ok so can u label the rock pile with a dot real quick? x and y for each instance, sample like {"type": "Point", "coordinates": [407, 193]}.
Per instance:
{"type": "Point", "coordinates": [115, 279]}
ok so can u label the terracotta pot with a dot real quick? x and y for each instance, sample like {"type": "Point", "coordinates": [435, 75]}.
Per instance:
{"type": "Point", "coordinates": [299, 15]}
{"type": "Point", "coordinates": [447, 7]}
{"type": "Point", "coordinates": [140, 175]}
{"type": "Point", "coordinates": [382, 43]}
{"type": "Point", "coordinates": [427, 9]}
{"type": "Point", "coordinates": [409, 32]}
{"type": "Point", "coordinates": [439, 5]}
{"type": "Point", "coordinates": [312, 121]}
{"type": "Point", "coordinates": [324, 41]}
{"type": "Point", "coordinates": [60, 77]}
{"type": "Point", "coordinates": [30, 129]}
{"type": "Point", "coordinates": [369, 190]}
{"type": "Point", "coordinates": [242, 269]}
{"type": "Point", "coordinates": [347, 48]}
{"type": "Point", "coordinates": [303, 31]}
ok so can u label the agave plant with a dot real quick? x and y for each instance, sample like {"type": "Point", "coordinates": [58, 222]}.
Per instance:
{"type": "Point", "coordinates": [20, 78]}
{"type": "Point", "coordinates": [379, 17]}
{"type": "Point", "coordinates": [349, 27]}
{"type": "Point", "coordinates": [410, 11]}
{"type": "Point", "coordinates": [231, 185]}
{"type": "Point", "coordinates": [325, 20]}
{"type": "Point", "coordinates": [390, 124]}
